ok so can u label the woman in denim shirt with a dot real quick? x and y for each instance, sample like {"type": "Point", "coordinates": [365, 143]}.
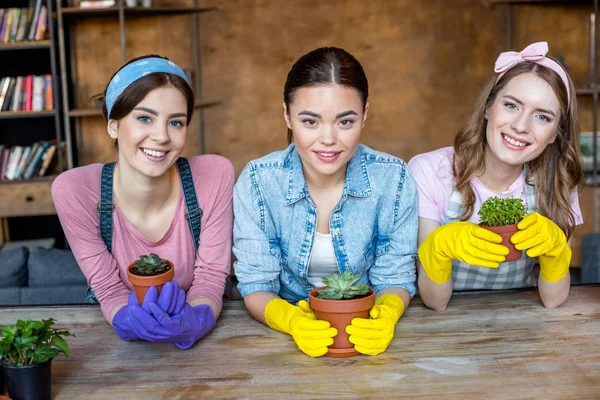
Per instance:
{"type": "Point", "coordinates": [325, 204]}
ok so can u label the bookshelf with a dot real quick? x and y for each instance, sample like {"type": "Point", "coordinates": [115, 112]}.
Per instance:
{"type": "Point", "coordinates": [589, 193]}
{"type": "Point", "coordinates": [26, 121]}
{"type": "Point", "coordinates": [74, 110]}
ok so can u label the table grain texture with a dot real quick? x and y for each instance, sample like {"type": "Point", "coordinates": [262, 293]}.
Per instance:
{"type": "Point", "coordinates": [500, 345]}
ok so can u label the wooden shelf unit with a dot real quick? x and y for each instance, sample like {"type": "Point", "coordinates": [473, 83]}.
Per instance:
{"type": "Point", "coordinates": [67, 15]}
{"type": "Point", "coordinates": [39, 44]}
{"type": "Point", "coordinates": [30, 197]}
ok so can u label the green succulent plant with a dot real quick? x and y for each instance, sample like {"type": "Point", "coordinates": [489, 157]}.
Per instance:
{"type": "Point", "coordinates": [342, 287]}
{"type": "Point", "coordinates": [150, 265]}
{"type": "Point", "coordinates": [501, 212]}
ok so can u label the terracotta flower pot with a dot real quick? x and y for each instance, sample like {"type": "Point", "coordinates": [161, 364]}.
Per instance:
{"type": "Point", "coordinates": [141, 284]}
{"type": "Point", "coordinates": [506, 232]}
{"type": "Point", "coordinates": [340, 313]}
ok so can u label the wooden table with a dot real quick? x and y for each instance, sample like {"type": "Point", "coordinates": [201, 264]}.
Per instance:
{"type": "Point", "coordinates": [486, 345]}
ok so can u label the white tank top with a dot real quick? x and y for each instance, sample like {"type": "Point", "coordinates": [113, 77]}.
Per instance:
{"type": "Point", "coordinates": [322, 259]}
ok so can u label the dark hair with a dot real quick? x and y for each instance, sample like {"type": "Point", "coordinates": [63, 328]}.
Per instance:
{"type": "Point", "coordinates": [322, 66]}
{"type": "Point", "coordinates": [136, 92]}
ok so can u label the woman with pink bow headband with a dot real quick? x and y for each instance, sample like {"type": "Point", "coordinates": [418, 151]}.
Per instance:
{"type": "Point", "coordinates": [522, 140]}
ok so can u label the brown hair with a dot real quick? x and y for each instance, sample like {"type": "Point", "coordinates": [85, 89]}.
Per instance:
{"type": "Point", "coordinates": [325, 65]}
{"type": "Point", "coordinates": [556, 172]}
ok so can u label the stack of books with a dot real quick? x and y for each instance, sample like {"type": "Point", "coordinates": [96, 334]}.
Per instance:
{"type": "Point", "coordinates": [26, 93]}
{"type": "Point", "coordinates": [25, 162]}
{"type": "Point", "coordinates": [23, 24]}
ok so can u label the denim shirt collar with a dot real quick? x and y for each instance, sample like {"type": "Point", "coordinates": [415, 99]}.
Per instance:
{"type": "Point", "coordinates": [356, 184]}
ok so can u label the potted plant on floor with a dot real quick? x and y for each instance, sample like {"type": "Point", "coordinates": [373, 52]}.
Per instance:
{"type": "Point", "coordinates": [338, 302]}
{"type": "Point", "coordinates": [1, 382]}
{"type": "Point", "coordinates": [26, 352]}
{"type": "Point", "coordinates": [149, 270]}
{"type": "Point", "coordinates": [502, 216]}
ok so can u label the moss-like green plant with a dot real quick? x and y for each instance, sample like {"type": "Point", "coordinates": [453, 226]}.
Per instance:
{"type": "Point", "coordinates": [342, 287]}
{"type": "Point", "coordinates": [150, 265]}
{"type": "Point", "coordinates": [32, 342]}
{"type": "Point", "coordinates": [501, 212]}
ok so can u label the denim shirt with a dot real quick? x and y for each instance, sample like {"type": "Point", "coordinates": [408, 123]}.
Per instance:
{"type": "Point", "coordinates": [373, 227]}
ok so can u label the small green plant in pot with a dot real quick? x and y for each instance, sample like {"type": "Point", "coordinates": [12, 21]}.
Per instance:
{"type": "Point", "coordinates": [338, 302]}
{"type": "Point", "coordinates": [149, 270]}
{"type": "Point", "coordinates": [26, 352]}
{"type": "Point", "coordinates": [501, 216]}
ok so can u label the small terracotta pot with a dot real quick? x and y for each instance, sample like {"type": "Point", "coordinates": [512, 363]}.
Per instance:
{"type": "Point", "coordinates": [506, 232]}
{"type": "Point", "coordinates": [339, 313]}
{"type": "Point", "coordinates": [141, 284]}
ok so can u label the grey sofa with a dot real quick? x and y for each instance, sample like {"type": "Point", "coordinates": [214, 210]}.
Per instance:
{"type": "Point", "coordinates": [40, 276]}
{"type": "Point", "coordinates": [590, 258]}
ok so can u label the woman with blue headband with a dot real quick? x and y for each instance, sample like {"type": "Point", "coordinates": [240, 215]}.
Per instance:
{"type": "Point", "coordinates": [151, 200]}
{"type": "Point", "coordinates": [521, 141]}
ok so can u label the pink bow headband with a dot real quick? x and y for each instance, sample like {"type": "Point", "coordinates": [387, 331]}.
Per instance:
{"type": "Point", "coordinates": [535, 52]}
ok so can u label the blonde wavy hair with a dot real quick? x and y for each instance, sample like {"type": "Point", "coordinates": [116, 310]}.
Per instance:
{"type": "Point", "coordinates": [555, 173]}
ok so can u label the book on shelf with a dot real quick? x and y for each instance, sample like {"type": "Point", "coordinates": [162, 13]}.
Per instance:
{"type": "Point", "coordinates": [4, 163]}
{"type": "Point", "coordinates": [97, 3]}
{"type": "Point", "coordinates": [25, 162]}
{"type": "Point", "coordinates": [27, 23]}
{"type": "Point", "coordinates": [26, 93]}
{"type": "Point", "coordinates": [15, 155]}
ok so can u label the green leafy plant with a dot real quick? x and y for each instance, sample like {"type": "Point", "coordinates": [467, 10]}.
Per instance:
{"type": "Point", "coordinates": [32, 342]}
{"type": "Point", "coordinates": [150, 265]}
{"type": "Point", "coordinates": [501, 212]}
{"type": "Point", "coordinates": [342, 287]}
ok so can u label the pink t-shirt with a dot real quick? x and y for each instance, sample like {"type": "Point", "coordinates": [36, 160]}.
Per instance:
{"type": "Point", "coordinates": [75, 193]}
{"type": "Point", "coordinates": [435, 183]}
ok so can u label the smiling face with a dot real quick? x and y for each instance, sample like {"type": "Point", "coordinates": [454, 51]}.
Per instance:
{"type": "Point", "coordinates": [326, 121]}
{"type": "Point", "coordinates": [152, 136]}
{"type": "Point", "coordinates": [522, 121]}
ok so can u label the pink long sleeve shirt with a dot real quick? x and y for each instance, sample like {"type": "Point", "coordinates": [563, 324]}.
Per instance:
{"type": "Point", "coordinates": [202, 275]}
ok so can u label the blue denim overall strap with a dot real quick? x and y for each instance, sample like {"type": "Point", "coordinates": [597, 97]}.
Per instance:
{"type": "Point", "coordinates": [509, 275]}
{"type": "Point", "coordinates": [106, 207]}
{"type": "Point", "coordinates": [194, 212]}
{"type": "Point", "coordinates": [105, 214]}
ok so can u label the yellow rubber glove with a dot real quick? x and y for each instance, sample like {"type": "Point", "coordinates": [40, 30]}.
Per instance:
{"type": "Point", "coordinates": [464, 241]}
{"type": "Point", "coordinates": [310, 334]}
{"type": "Point", "coordinates": [372, 336]}
{"type": "Point", "coordinates": [542, 238]}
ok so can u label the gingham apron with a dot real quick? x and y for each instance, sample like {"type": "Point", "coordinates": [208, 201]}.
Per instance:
{"type": "Point", "coordinates": [509, 275]}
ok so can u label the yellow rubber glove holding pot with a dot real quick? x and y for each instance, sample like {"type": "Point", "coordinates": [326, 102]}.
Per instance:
{"type": "Point", "coordinates": [463, 241]}
{"type": "Point", "coordinates": [373, 336]}
{"type": "Point", "coordinates": [311, 335]}
{"type": "Point", "coordinates": [542, 238]}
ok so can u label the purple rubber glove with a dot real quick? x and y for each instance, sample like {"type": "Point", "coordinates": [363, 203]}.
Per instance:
{"type": "Point", "coordinates": [133, 322]}
{"type": "Point", "coordinates": [171, 298]}
{"type": "Point", "coordinates": [187, 327]}
{"type": "Point", "coordinates": [121, 322]}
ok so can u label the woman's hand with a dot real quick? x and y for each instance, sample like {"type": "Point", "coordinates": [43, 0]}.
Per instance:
{"type": "Point", "coordinates": [311, 335]}
{"type": "Point", "coordinates": [464, 241]}
{"type": "Point", "coordinates": [135, 322]}
{"type": "Point", "coordinates": [373, 336]}
{"type": "Point", "coordinates": [187, 326]}
{"type": "Point", "coordinates": [542, 238]}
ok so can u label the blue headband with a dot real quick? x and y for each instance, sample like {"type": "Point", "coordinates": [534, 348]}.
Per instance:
{"type": "Point", "coordinates": [134, 71]}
